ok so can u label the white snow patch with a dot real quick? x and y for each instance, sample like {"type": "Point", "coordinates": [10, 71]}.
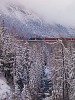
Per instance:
{"type": "Point", "coordinates": [4, 89]}
{"type": "Point", "coordinates": [48, 73]}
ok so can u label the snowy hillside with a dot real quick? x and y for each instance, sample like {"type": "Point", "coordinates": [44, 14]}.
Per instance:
{"type": "Point", "coordinates": [28, 23]}
{"type": "Point", "coordinates": [4, 90]}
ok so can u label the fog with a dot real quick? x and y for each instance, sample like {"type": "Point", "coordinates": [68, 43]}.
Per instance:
{"type": "Point", "coordinates": [53, 11]}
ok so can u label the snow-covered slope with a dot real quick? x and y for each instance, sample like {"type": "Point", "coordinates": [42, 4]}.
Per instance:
{"type": "Point", "coordinates": [19, 12]}
{"type": "Point", "coordinates": [28, 23]}
{"type": "Point", "coordinates": [4, 90]}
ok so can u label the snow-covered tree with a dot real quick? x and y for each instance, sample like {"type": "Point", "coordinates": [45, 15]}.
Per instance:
{"type": "Point", "coordinates": [23, 64]}
{"type": "Point", "coordinates": [60, 64]}
{"type": "Point", "coordinates": [72, 70]}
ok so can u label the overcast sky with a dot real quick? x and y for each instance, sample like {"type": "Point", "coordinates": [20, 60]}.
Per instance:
{"type": "Point", "coordinates": [53, 11]}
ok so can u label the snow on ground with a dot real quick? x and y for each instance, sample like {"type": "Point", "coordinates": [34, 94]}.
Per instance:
{"type": "Point", "coordinates": [47, 98]}
{"type": "Point", "coordinates": [4, 90]}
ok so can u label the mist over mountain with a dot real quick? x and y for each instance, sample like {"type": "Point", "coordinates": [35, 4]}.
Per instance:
{"type": "Point", "coordinates": [29, 24]}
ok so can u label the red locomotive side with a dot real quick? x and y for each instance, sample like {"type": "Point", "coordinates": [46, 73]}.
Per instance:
{"type": "Point", "coordinates": [50, 38]}
{"type": "Point", "coordinates": [58, 38]}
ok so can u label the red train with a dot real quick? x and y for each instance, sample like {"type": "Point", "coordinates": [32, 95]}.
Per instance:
{"type": "Point", "coordinates": [49, 39]}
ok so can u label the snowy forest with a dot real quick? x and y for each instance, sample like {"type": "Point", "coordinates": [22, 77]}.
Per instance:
{"type": "Point", "coordinates": [33, 70]}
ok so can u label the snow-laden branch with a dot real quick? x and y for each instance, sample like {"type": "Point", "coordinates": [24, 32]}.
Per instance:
{"type": "Point", "coordinates": [60, 42]}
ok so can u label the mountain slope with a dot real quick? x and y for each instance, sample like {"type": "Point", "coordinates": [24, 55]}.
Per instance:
{"type": "Point", "coordinates": [29, 24]}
